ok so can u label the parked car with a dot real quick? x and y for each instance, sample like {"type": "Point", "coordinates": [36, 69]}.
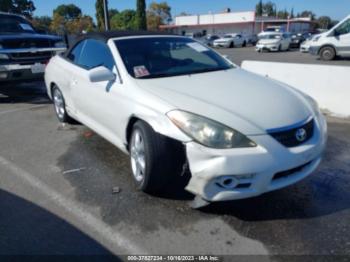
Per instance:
{"type": "Point", "coordinates": [274, 42]}
{"type": "Point", "coordinates": [230, 41]}
{"type": "Point", "coordinates": [24, 52]}
{"type": "Point", "coordinates": [242, 138]}
{"type": "Point", "coordinates": [335, 42]}
{"type": "Point", "coordinates": [297, 40]}
{"type": "Point", "coordinates": [272, 29]}
{"type": "Point", "coordinates": [251, 39]}
{"type": "Point", "coordinates": [209, 40]}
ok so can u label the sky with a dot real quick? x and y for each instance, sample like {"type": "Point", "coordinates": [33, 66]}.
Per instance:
{"type": "Point", "coordinates": [336, 9]}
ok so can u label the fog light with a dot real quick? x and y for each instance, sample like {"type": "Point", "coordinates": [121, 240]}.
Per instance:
{"type": "Point", "coordinates": [3, 75]}
{"type": "Point", "coordinates": [4, 57]}
{"type": "Point", "coordinates": [247, 176]}
{"type": "Point", "coordinates": [227, 182]}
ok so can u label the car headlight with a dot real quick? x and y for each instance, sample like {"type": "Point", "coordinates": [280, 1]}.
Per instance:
{"type": "Point", "coordinates": [209, 132]}
{"type": "Point", "coordinates": [60, 44]}
{"type": "Point", "coordinates": [314, 104]}
{"type": "Point", "coordinates": [4, 57]}
{"type": "Point", "coordinates": [316, 38]}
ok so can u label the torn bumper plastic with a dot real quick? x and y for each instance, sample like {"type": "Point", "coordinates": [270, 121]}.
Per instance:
{"type": "Point", "coordinates": [221, 175]}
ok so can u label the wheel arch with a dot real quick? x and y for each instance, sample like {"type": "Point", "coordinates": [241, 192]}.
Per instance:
{"type": "Point", "coordinates": [328, 45]}
{"type": "Point", "coordinates": [160, 125]}
{"type": "Point", "coordinates": [50, 89]}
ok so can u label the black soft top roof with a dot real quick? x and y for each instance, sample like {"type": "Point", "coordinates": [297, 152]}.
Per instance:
{"type": "Point", "coordinates": [105, 36]}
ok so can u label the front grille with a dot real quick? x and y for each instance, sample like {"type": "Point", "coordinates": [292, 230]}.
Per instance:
{"type": "Point", "coordinates": [289, 137]}
{"type": "Point", "coordinates": [290, 172]}
{"type": "Point", "coordinates": [36, 55]}
{"type": "Point", "coordinates": [26, 43]}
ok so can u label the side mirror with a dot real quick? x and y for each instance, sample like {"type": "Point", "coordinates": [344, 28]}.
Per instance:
{"type": "Point", "coordinates": [101, 74]}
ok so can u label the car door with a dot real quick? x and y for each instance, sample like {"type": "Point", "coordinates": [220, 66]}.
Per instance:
{"type": "Point", "coordinates": [239, 40]}
{"type": "Point", "coordinates": [286, 39]}
{"type": "Point", "coordinates": [342, 38]}
{"type": "Point", "coordinates": [97, 103]}
{"type": "Point", "coordinates": [69, 70]}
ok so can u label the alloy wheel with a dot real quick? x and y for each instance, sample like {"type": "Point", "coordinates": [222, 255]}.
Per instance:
{"type": "Point", "coordinates": [59, 103]}
{"type": "Point", "coordinates": [138, 156]}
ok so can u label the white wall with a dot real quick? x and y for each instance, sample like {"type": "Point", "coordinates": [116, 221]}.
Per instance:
{"type": "Point", "coordinates": [224, 18]}
{"type": "Point", "coordinates": [328, 84]}
{"type": "Point", "coordinates": [187, 20]}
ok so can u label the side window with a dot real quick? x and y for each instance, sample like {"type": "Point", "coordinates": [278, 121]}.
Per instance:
{"type": "Point", "coordinates": [286, 36]}
{"type": "Point", "coordinates": [74, 55]}
{"type": "Point", "coordinates": [96, 53]}
{"type": "Point", "coordinates": [344, 28]}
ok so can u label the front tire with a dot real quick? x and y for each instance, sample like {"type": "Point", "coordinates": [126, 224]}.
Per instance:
{"type": "Point", "coordinates": [152, 157]}
{"type": "Point", "coordinates": [60, 106]}
{"type": "Point", "coordinates": [232, 45]}
{"type": "Point", "coordinates": [327, 53]}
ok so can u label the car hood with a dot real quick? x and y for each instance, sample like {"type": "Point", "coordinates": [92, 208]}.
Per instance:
{"type": "Point", "coordinates": [19, 36]}
{"type": "Point", "coordinates": [269, 41]}
{"type": "Point", "coordinates": [221, 40]}
{"type": "Point", "coordinates": [245, 101]}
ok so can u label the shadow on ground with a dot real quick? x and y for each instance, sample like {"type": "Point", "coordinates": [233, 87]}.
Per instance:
{"type": "Point", "coordinates": [30, 93]}
{"type": "Point", "coordinates": [27, 229]}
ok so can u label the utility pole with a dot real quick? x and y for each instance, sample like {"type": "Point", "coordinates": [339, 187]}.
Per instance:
{"type": "Point", "coordinates": [105, 7]}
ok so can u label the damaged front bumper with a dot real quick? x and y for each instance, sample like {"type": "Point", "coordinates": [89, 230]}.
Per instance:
{"type": "Point", "coordinates": [221, 175]}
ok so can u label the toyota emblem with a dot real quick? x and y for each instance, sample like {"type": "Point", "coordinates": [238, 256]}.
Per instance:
{"type": "Point", "coordinates": [301, 134]}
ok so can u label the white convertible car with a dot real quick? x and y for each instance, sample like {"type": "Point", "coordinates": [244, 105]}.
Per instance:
{"type": "Point", "coordinates": [174, 104]}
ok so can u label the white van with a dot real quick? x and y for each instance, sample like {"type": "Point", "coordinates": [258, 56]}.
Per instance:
{"type": "Point", "coordinates": [335, 42]}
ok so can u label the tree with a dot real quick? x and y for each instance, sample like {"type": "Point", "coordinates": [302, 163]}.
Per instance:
{"type": "Point", "coordinates": [307, 13]}
{"type": "Point", "coordinates": [112, 12]}
{"type": "Point", "coordinates": [73, 26]}
{"type": "Point", "coordinates": [81, 24]}
{"type": "Point", "coordinates": [158, 14]}
{"type": "Point", "coordinates": [68, 12]}
{"type": "Point", "coordinates": [57, 24]}
{"type": "Point", "coordinates": [283, 14]}
{"type": "Point", "coordinates": [268, 9]}
{"type": "Point", "coordinates": [292, 13]}
{"type": "Point", "coordinates": [100, 14]}
{"type": "Point", "coordinates": [259, 8]}
{"type": "Point", "coordinates": [141, 19]}
{"type": "Point", "coordinates": [125, 20]}
{"type": "Point", "coordinates": [324, 22]}
{"type": "Point", "coordinates": [42, 22]}
{"type": "Point", "coordinates": [22, 7]}
{"type": "Point", "coordinates": [6, 5]}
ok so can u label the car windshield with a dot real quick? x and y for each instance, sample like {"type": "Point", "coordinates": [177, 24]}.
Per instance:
{"type": "Point", "coordinates": [271, 37]}
{"type": "Point", "coordinates": [228, 36]}
{"type": "Point", "coordinates": [14, 25]}
{"type": "Point", "coordinates": [168, 56]}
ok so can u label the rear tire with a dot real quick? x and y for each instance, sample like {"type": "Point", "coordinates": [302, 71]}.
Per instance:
{"type": "Point", "coordinates": [327, 53]}
{"type": "Point", "coordinates": [154, 162]}
{"type": "Point", "coordinates": [244, 44]}
{"type": "Point", "coordinates": [60, 106]}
